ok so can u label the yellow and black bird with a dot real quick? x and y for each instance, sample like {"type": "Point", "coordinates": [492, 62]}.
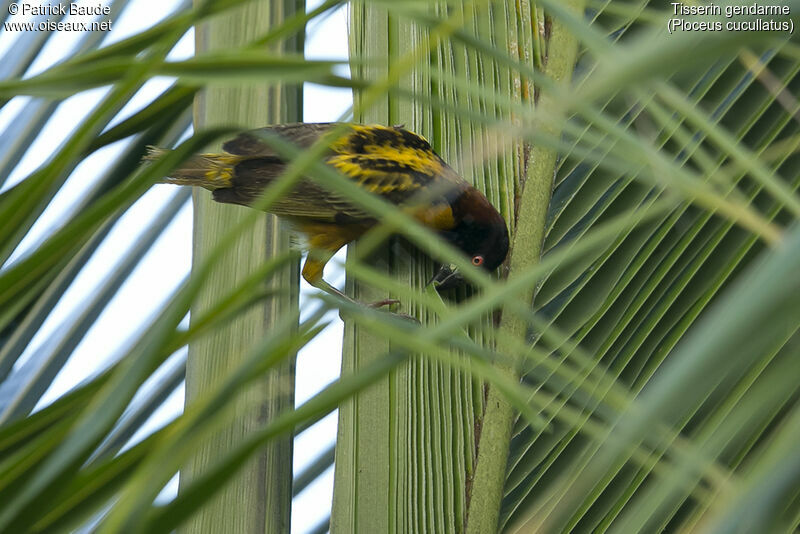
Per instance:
{"type": "Point", "coordinates": [390, 162]}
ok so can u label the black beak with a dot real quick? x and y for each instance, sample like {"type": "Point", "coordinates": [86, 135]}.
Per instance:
{"type": "Point", "coordinates": [446, 277]}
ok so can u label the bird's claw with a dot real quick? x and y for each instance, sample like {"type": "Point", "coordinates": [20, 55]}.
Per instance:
{"type": "Point", "coordinates": [392, 302]}
{"type": "Point", "coordinates": [382, 303]}
{"type": "Point", "coordinates": [385, 303]}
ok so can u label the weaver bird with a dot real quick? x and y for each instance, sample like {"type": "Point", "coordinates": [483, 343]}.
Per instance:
{"type": "Point", "coordinates": [390, 162]}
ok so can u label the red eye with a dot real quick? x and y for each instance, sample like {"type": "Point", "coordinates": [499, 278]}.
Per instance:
{"type": "Point", "coordinates": [477, 260]}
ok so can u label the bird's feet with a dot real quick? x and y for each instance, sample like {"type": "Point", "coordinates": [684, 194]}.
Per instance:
{"type": "Point", "coordinates": [391, 302]}
{"type": "Point", "coordinates": [321, 284]}
{"type": "Point", "coordinates": [383, 303]}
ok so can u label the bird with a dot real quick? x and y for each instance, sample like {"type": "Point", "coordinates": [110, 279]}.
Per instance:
{"type": "Point", "coordinates": [390, 162]}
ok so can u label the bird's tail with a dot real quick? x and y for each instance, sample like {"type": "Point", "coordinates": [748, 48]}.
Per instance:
{"type": "Point", "coordinates": [212, 171]}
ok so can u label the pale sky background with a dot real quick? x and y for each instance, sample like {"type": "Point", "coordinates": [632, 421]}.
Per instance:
{"type": "Point", "coordinates": [168, 261]}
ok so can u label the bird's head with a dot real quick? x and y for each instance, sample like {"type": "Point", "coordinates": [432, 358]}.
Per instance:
{"type": "Point", "coordinates": [480, 232]}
